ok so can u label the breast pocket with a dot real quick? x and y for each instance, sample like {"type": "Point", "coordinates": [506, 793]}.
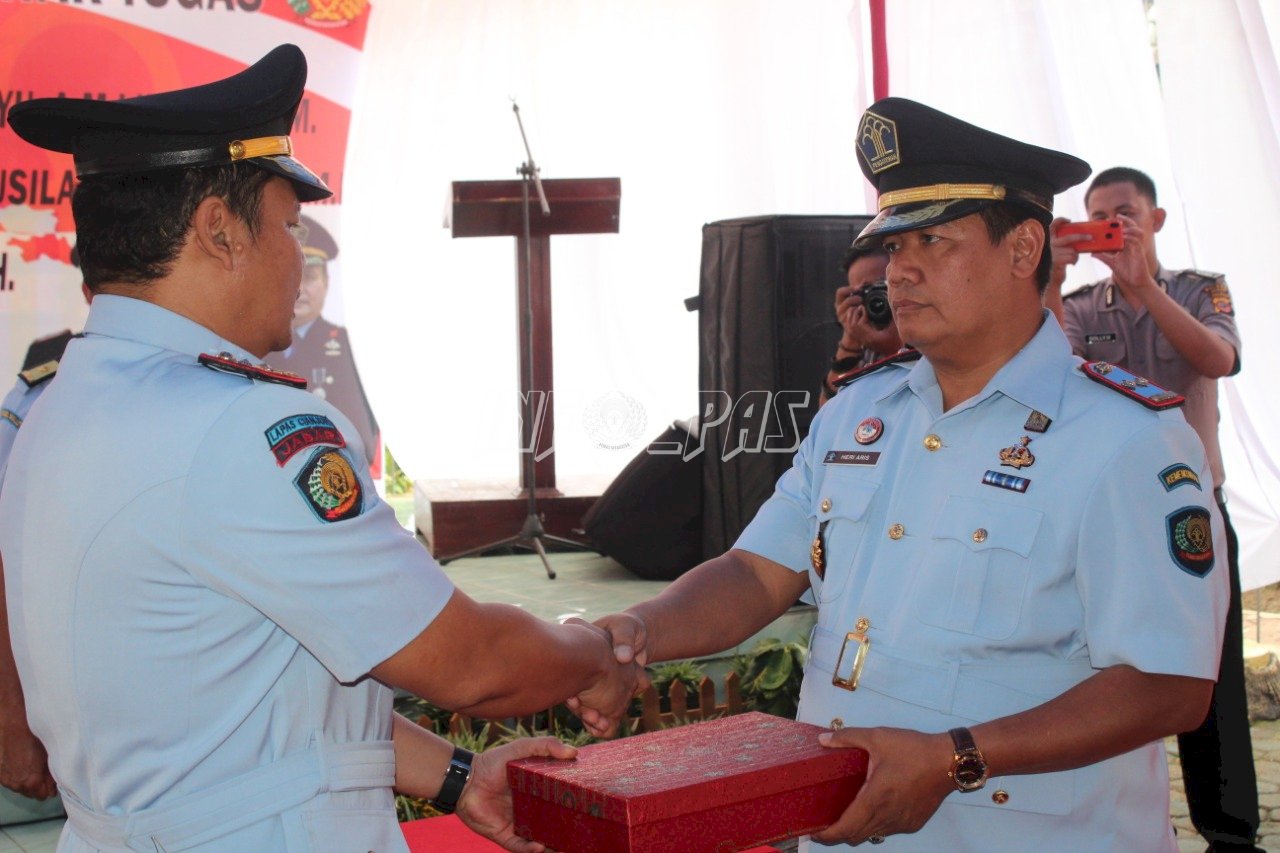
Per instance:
{"type": "Point", "coordinates": [973, 576]}
{"type": "Point", "coordinates": [839, 515]}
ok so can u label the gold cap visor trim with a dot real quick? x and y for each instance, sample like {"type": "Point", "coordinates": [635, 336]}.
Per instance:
{"type": "Point", "coordinates": [942, 192]}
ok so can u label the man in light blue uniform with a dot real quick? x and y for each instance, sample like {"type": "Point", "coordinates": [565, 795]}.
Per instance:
{"type": "Point", "coordinates": [206, 595]}
{"type": "Point", "coordinates": [24, 766]}
{"type": "Point", "coordinates": [1015, 556]}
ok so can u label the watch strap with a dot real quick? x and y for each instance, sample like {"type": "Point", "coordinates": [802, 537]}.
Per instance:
{"type": "Point", "coordinates": [963, 739]}
{"type": "Point", "coordinates": [456, 776]}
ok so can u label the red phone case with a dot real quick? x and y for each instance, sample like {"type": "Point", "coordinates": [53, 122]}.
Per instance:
{"type": "Point", "coordinates": [1107, 235]}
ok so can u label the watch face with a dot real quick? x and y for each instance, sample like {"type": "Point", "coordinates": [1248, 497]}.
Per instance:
{"type": "Point", "coordinates": [970, 772]}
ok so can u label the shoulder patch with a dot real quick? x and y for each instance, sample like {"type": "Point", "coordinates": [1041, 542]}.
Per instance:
{"type": "Point", "coordinates": [224, 362]}
{"type": "Point", "coordinates": [330, 486]}
{"type": "Point", "coordinates": [1191, 540]}
{"type": "Point", "coordinates": [1134, 387]}
{"type": "Point", "coordinates": [289, 436]}
{"type": "Point", "coordinates": [1179, 475]}
{"type": "Point", "coordinates": [33, 376]}
{"type": "Point", "coordinates": [11, 417]}
{"type": "Point", "coordinates": [1219, 295]}
{"type": "Point", "coordinates": [902, 357]}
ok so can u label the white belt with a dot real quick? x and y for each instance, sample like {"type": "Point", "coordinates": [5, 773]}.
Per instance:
{"type": "Point", "coordinates": [970, 689]}
{"type": "Point", "coordinates": [203, 816]}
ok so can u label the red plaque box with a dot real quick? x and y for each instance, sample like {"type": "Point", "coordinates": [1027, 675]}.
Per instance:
{"type": "Point", "coordinates": [709, 787]}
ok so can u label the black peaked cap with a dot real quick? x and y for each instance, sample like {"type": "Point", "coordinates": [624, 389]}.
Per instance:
{"type": "Point", "coordinates": [187, 127]}
{"type": "Point", "coordinates": [929, 167]}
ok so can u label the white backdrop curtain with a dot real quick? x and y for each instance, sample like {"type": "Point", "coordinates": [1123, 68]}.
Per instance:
{"type": "Point", "coordinates": [726, 108]}
{"type": "Point", "coordinates": [705, 110]}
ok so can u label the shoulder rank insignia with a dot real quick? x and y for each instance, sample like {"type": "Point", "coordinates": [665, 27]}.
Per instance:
{"type": "Point", "coordinates": [33, 376]}
{"type": "Point", "coordinates": [1132, 386]}
{"type": "Point", "coordinates": [11, 417]}
{"type": "Point", "coordinates": [226, 363]}
{"type": "Point", "coordinates": [901, 357]}
{"type": "Point", "coordinates": [48, 348]}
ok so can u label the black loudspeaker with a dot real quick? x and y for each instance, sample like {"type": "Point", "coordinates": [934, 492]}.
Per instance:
{"type": "Point", "coordinates": [766, 335]}
{"type": "Point", "coordinates": [649, 519]}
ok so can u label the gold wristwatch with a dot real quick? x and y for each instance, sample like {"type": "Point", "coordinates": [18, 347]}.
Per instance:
{"type": "Point", "coordinates": [968, 767]}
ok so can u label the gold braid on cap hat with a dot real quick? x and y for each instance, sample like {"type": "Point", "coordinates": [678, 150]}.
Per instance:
{"type": "Point", "coordinates": [952, 192]}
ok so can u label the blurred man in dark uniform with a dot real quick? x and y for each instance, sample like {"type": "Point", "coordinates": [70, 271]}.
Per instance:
{"type": "Point", "coordinates": [321, 352]}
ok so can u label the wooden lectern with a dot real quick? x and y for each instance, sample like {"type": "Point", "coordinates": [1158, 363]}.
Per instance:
{"type": "Point", "coordinates": [494, 209]}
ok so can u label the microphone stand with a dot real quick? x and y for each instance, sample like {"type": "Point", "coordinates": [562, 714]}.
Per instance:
{"type": "Point", "coordinates": [532, 533]}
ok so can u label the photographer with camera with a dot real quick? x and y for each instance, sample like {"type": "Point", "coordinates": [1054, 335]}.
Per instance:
{"type": "Point", "coordinates": [862, 306]}
{"type": "Point", "coordinates": [1178, 328]}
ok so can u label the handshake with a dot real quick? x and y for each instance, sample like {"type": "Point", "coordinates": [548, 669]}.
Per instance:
{"type": "Point", "coordinates": [602, 705]}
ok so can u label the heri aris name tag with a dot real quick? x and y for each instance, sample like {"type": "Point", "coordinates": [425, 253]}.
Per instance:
{"type": "Point", "coordinates": [851, 457]}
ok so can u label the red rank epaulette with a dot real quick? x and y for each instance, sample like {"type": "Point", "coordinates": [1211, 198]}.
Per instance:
{"type": "Point", "coordinates": [899, 357]}
{"type": "Point", "coordinates": [227, 363]}
{"type": "Point", "coordinates": [1131, 385]}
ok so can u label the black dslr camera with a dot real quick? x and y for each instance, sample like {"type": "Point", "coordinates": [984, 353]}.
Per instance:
{"type": "Point", "coordinates": [875, 298]}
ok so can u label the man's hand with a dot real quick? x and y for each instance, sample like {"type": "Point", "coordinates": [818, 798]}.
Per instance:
{"type": "Point", "coordinates": [485, 805]}
{"type": "Point", "coordinates": [906, 782]}
{"type": "Point", "coordinates": [848, 304]}
{"type": "Point", "coordinates": [24, 765]}
{"type": "Point", "coordinates": [602, 705]}
{"type": "Point", "coordinates": [1129, 265]}
{"type": "Point", "coordinates": [1062, 248]}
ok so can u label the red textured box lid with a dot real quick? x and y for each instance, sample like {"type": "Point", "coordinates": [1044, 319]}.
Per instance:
{"type": "Point", "coordinates": [689, 769]}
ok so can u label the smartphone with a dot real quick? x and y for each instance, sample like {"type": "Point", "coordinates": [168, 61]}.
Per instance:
{"type": "Point", "coordinates": [1106, 235]}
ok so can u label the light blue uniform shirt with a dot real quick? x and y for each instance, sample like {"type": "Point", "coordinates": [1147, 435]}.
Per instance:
{"type": "Point", "coordinates": [192, 634]}
{"type": "Point", "coordinates": [13, 413]}
{"type": "Point", "coordinates": [987, 596]}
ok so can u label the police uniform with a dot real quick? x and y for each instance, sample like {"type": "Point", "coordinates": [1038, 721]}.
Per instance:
{"type": "Point", "coordinates": [977, 562]}
{"type": "Point", "coordinates": [321, 351]}
{"type": "Point", "coordinates": [199, 573]}
{"type": "Point", "coordinates": [1103, 326]}
{"type": "Point", "coordinates": [1217, 758]}
{"type": "Point", "coordinates": [321, 354]}
{"type": "Point", "coordinates": [38, 367]}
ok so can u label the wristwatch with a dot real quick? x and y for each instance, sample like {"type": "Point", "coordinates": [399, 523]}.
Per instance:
{"type": "Point", "coordinates": [968, 767]}
{"type": "Point", "coordinates": [455, 779]}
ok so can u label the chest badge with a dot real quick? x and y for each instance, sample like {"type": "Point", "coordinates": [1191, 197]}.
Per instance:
{"type": "Point", "coordinates": [1037, 422]}
{"type": "Point", "coordinates": [817, 554]}
{"type": "Point", "coordinates": [868, 431]}
{"type": "Point", "coordinates": [1018, 456]}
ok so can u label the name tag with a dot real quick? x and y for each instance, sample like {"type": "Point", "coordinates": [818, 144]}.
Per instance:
{"type": "Point", "coordinates": [1100, 339]}
{"type": "Point", "coordinates": [851, 457]}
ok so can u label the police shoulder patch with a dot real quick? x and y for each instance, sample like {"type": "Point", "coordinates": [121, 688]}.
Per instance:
{"type": "Point", "coordinates": [289, 436]}
{"type": "Point", "coordinates": [330, 486]}
{"type": "Point", "coordinates": [1191, 540]}
{"type": "Point", "coordinates": [1179, 475]}
{"type": "Point", "coordinates": [903, 357]}
{"type": "Point", "coordinates": [1132, 386]}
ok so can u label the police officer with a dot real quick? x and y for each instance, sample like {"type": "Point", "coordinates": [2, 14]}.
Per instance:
{"type": "Point", "coordinates": [24, 766]}
{"type": "Point", "coordinates": [1177, 328]}
{"type": "Point", "coordinates": [321, 351]}
{"type": "Point", "coordinates": [207, 596]}
{"type": "Point", "coordinates": [1016, 598]}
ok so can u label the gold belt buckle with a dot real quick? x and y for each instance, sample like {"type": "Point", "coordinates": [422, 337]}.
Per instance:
{"type": "Point", "coordinates": [859, 636]}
